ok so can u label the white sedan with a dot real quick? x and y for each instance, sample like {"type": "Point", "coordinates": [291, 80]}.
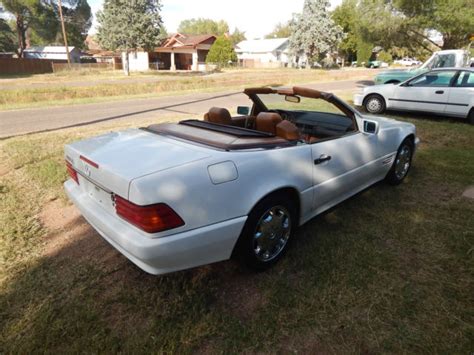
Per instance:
{"type": "Point", "coordinates": [444, 91]}
{"type": "Point", "coordinates": [407, 62]}
{"type": "Point", "coordinates": [178, 195]}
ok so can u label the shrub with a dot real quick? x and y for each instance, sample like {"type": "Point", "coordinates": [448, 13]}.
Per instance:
{"type": "Point", "coordinates": [222, 52]}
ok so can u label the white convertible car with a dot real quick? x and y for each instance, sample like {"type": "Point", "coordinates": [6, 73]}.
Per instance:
{"type": "Point", "coordinates": [447, 91]}
{"type": "Point", "coordinates": [177, 195]}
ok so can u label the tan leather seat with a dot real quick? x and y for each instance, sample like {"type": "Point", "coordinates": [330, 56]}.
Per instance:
{"type": "Point", "coordinates": [218, 115]}
{"type": "Point", "coordinates": [267, 122]}
{"type": "Point", "coordinates": [288, 131]}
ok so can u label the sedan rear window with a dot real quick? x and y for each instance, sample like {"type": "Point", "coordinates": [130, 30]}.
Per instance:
{"type": "Point", "coordinates": [465, 79]}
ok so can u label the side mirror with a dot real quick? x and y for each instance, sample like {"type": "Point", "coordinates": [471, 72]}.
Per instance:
{"type": "Point", "coordinates": [243, 110]}
{"type": "Point", "coordinates": [371, 127]}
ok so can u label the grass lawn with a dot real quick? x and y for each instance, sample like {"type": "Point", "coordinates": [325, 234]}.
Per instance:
{"type": "Point", "coordinates": [390, 270]}
{"type": "Point", "coordinates": [56, 89]}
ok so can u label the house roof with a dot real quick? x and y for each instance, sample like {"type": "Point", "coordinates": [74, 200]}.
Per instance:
{"type": "Point", "coordinates": [260, 45]}
{"type": "Point", "coordinates": [180, 40]}
{"type": "Point", "coordinates": [48, 49]}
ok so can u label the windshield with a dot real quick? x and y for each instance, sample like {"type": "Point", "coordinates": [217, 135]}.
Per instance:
{"type": "Point", "coordinates": [278, 102]}
{"type": "Point", "coordinates": [440, 61]}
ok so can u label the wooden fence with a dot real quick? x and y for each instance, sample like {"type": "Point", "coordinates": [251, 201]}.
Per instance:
{"type": "Point", "coordinates": [14, 66]}
{"type": "Point", "coordinates": [58, 67]}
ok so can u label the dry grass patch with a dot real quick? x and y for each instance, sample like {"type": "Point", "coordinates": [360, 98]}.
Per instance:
{"type": "Point", "coordinates": [95, 89]}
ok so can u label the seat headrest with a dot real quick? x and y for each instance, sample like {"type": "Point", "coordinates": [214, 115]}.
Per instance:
{"type": "Point", "coordinates": [267, 122]}
{"type": "Point", "coordinates": [218, 115]}
{"type": "Point", "coordinates": [288, 131]}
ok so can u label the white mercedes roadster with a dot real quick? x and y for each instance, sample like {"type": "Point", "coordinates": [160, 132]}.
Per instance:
{"type": "Point", "coordinates": [177, 195]}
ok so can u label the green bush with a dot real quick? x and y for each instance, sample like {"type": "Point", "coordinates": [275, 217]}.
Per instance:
{"type": "Point", "coordinates": [222, 52]}
{"type": "Point", "coordinates": [364, 51]}
{"type": "Point", "coordinates": [385, 57]}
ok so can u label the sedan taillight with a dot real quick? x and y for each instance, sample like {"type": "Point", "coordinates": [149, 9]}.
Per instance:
{"type": "Point", "coordinates": [151, 219]}
{"type": "Point", "coordinates": [72, 173]}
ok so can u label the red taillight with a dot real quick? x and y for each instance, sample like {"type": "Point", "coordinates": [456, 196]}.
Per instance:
{"type": "Point", "coordinates": [72, 173]}
{"type": "Point", "coordinates": [90, 162]}
{"type": "Point", "coordinates": [151, 219]}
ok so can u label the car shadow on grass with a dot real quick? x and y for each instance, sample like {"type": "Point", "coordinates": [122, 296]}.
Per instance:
{"type": "Point", "coordinates": [83, 294]}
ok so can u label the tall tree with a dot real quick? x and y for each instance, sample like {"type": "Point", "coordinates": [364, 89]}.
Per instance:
{"type": "Point", "coordinates": [130, 25]}
{"type": "Point", "coordinates": [237, 36]}
{"type": "Point", "coordinates": [203, 26]}
{"type": "Point", "coordinates": [221, 52]}
{"type": "Point", "coordinates": [37, 15]}
{"type": "Point", "coordinates": [78, 18]}
{"type": "Point", "coordinates": [346, 16]}
{"type": "Point", "coordinates": [314, 32]}
{"type": "Point", "coordinates": [7, 37]}
{"type": "Point", "coordinates": [453, 19]}
{"type": "Point", "coordinates": [281, 30]}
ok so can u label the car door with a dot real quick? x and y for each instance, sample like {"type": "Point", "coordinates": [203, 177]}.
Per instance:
{"type": "Point", "coordinates": [461, 94]}
{"type": "Point", "coordinates": [340, 167]}
{"type": "Point", "coordinates": [428, 92]}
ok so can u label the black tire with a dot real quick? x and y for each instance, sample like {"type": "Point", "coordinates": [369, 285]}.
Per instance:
{"type": "Point", "coordinates": [470, 116]}
{"type": "Point", "coordinates": [247, 245]}
{"type": "Point", "coordinates": [374, 104]}
{"type": "Point", "coordinates": [399, 170]}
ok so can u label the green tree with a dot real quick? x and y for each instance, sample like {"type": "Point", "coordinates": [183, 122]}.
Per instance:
{"type": "Point", "coordinates": [130, 25]}
{"type": "Point", "coordinates": [346, 16]}
{"type": "Point", "coordinates": [281, 30]}
{"type": "Point", "coordinates": [314, 32]}
{"type": "Point", "coordinates": [35, 15]}
{"type": "Point", "coordinates": [237, 36]}
{"type": "Point", "coordinates": [453, 19]}
{"type": "Point", "coordinates": [203, 26]}
{"type": "Point", "coordinates": [221, 52]}
{"type": "Point", "coordinates": [7, 37]}
{"type": "Point", "coordinates": [78, 19]}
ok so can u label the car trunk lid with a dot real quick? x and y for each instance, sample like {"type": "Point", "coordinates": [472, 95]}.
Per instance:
{"type": "Point", "coordinates": [113, 160]}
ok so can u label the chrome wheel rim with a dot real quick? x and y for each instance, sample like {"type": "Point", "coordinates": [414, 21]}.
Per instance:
{"type": "Point", "coordinates": [272, 233]}
{"type": "Point", "coordinates": [403, 161]}
{"type": "Point", "coordinates": [374, 105]}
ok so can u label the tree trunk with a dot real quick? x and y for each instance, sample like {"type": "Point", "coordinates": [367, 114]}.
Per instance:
{"type": "Point", "coordinates": [21, 33]}
{"type": "Point", "coordinates": [125, 65]}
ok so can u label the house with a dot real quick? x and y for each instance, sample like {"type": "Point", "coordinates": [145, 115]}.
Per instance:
{"type": "Point", "coordinates": [178, 52]}
{"type": "Point", "coordinates": [263, 52]}
{"type": "Point", "coordinates": [53, 53]}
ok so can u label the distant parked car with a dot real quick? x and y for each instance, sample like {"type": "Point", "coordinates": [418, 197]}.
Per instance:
{"type": "Point", "coordinates": [447, 91]}
{"type": "Point", "coordinates": [374, 64]}
{"type": "Point", "coordinates": [407, 62]}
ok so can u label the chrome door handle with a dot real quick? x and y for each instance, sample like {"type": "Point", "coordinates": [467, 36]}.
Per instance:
{"type": "Point", "coordinates": [439, 92]}
{"type": "Point", "coordinates": [322, 159]}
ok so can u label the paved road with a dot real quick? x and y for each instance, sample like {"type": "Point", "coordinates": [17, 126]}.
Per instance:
{"type": "Point", "coordinates": [18, 122]}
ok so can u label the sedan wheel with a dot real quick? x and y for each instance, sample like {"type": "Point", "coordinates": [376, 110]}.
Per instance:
{"type": "Point", "coordinates": [375, 104]}
{"type": "Point", "coordinates": [267, 233]}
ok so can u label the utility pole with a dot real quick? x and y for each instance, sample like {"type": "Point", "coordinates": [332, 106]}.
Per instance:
{"type": "Point", "coordinates": [64, 32]}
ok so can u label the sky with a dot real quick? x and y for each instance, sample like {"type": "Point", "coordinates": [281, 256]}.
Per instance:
{"type": "Point", "coordinates": [255, 17]}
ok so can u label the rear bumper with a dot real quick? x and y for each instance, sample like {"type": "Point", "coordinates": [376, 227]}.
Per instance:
{"type": "Point", "coordinates": [159, 255]}
{"type": "Point", "coordinates": [358, 99]}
